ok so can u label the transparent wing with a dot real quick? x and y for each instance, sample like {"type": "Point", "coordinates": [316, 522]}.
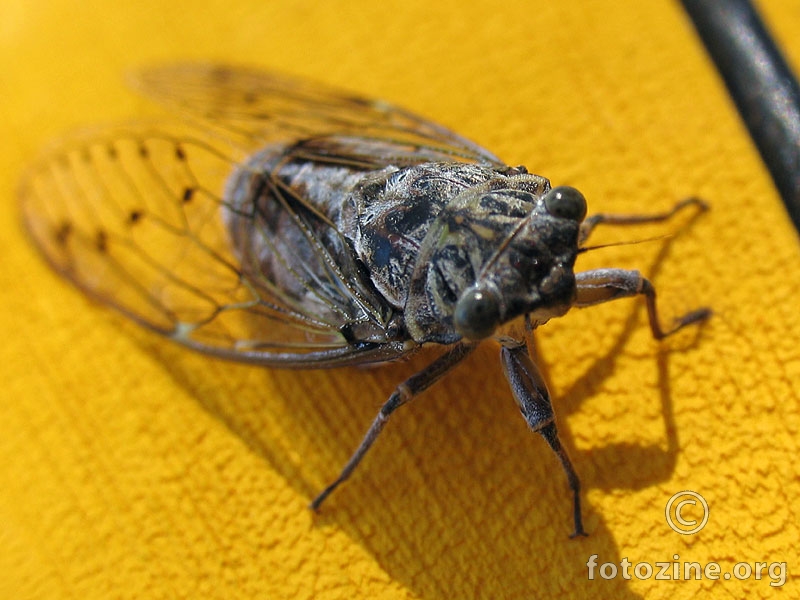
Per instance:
{"type": "Point", "coordinates": [133, 215]}
{"type": "Point", "coordinates": [253, 108]}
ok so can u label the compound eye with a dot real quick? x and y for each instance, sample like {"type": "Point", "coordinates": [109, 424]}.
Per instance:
{"type": "Point", "coordinates": [477, 314]}
{"type": "Point", "coordinates": [565, 202]}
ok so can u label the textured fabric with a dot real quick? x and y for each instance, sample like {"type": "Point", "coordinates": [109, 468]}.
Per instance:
{"type": "Point", "coordinates": [130, 468]}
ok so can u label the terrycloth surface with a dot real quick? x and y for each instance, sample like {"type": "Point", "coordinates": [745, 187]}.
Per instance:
{"type": "Point", "coordinates": [135, 469]}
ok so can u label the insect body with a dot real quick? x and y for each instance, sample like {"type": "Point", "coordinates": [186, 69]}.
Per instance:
{"type": "Point", "coordinates": [295, 226]}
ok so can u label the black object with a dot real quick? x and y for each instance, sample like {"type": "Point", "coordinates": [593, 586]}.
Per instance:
{"type": "Point", "coordinates": [761, 84]}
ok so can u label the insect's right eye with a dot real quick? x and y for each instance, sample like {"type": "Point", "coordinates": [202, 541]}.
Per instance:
{"type": "Point", "coordinates": [565, 202]}
{"type": "Point", "coordinates": [477, 314]}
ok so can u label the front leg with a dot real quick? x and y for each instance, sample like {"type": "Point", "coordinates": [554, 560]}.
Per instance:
{"type": "Point", "coordinates": [533, 399]}
{"type": "Point", "coordinates": [603, 285]}
{"type": "Point", "coordinates": [593, 221]}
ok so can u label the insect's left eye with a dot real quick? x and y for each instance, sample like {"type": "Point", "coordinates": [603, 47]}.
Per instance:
{"type": "Point", "coordinates": [565, 202]}
{"type": "Point", "coordinates": [477, 314]}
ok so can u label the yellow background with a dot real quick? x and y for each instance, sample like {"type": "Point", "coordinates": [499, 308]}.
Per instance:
{"type": "Point", "coordinates": [131, 468]}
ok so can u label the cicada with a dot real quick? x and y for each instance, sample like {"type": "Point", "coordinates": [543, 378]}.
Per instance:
{"type": "Point", "coordinates": [292, 225]}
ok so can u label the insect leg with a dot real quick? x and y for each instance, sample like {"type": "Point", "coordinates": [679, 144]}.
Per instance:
{"type": "Point", "coordinates": [533, 399]}
{"type": "Point", "coordinates": [404, 392]}
{"type": "Point", "coordinates": [601, 285]}
{"type": "Point", "coordinates": [589, 223]}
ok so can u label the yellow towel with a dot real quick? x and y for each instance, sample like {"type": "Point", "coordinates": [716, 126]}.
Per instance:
{"type": "Point", "coordinates": [131, 468]}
